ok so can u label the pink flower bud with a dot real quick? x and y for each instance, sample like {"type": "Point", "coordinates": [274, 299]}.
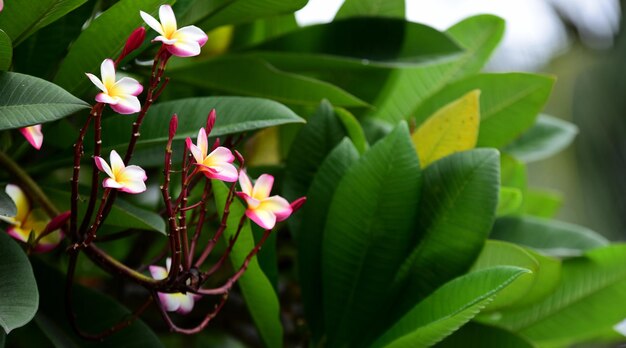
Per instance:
{"type": "Point", "coordinates": [134, 42]}
{"type": "Point", "coordinates": [210, 121]}
{"type": "Point", "coordinates": [57, 222]}
{"type": "Point", "coordinates": [173, 126]}
{"type": "Point", "coordinates": [297, 204]}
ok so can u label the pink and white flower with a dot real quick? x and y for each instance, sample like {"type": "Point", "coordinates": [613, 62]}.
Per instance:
{"type": "Point", "coordinates": [215, 165]}
{"type": "Point", "coordinates": [176, 302]}
{"type": "Point", "coordinates": [120, 94]}
{"type": "Point", "coordinates": [124, 178]}
{"type": "Point", "coordinates": [264, 210]}
{"type": "Point", "coordinates": [27, 222]}
{"type": "Point", "coordinates": [33, 135]}
{"type": "Point", "coordinates": [183, 42]}
{"type": "Point", "coordinates": [1, 5]}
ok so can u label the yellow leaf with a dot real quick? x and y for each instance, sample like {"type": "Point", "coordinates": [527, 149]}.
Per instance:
{"type": "Point", "coordinates": [451, 129]}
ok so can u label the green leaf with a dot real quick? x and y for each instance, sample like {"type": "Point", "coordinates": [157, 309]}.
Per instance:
{"type": "Point", "coordinates": [246, 75]}
{"type": "Point", "coordinates": [257, 290]}
{"type": "Point", "coordinates": [95, 312]}
{"type": "Point", "coordinates": [20, 298]}
{"type": "Point", "coordinates": [371, 8]}
{"type": "Point", "coordinates": [585, 304]}
{"type": "Point", "coordinates": [353, 128]}
{"type": "Point", "coordinates": [21, 18]}
{"type": "Point", "coordinates": [509, 201]}
{"type": "Point", "coordinates": [369, 231]}
{"type": "Point", "coordinates": [528, 288]}
{"type": "Point", "coordinates": [542, 203]}
{"type": "Point", "coordinates": [234, 115]}
{"type": "Point", "coordinates": [384, 42]}
{"type": "Point", "coordinates": [407, 88]}
{"type": "Point", "coordinates": [448, 308]}
{"type": "Point", "coordinates": [241, 11]}
{"type": "Point", "coordinates": [311, 233]}
{"type": "Point", "coordinates": [7, 206]}
{"type": "Point", "coordinates": [6, 51]}
{"type": "Point", "coordinates": [551, 237]}
{"type": "Point", "coordinates": [509, 103]}
{"type": "Point", "coordinates": [123, 214]}
{"type": "Point", "coordinates": [104, 38]}
{"type": "Point", "coordinates": [513, 173]}
{"type": "Point", "coordinates": [484, 336]}
{"type": "Point", "coordinates": [27, 100]}
{"type": "Point", "coordinates": [547, 137]}
{"type": "Point", "coordinates": [455, 216]}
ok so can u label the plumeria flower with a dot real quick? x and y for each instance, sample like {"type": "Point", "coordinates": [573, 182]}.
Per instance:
{"type": "Point", "coordinates": [122, 94]}
{"type": "Point", "coordinates": [27, 222]}
{"type": "Point", "coordinates": [183, 42]}
{"type": "Point", "coordinates": [176, 302]}
{"type": "Point", "coordinates": [33, 135]}
{"type": "Point", "coordinates": [1, 5]}
{"type": "Point", "coordinates": [215, 165]}
{"type": "Point", "coordinates": [263, 209]}
{"type": "Point", "coordinates": [128, 179]}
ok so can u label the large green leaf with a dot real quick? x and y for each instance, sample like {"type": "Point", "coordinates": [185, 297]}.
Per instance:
{"type": "Point", "coordinates": [123, 214]}
{"type": "Point", "coordinates": [7, 206]}
{"type": "Point", "coordinates": [379, 41]}
{"type": "Point", "coordinates": [448, 308]}
{"type": "Point", "coordinates": [455, 216]}
{"type": "Point", "coordinates": [257, 290]}
{"type": "Point", "coordinates": [95, 312]}
{"type": "Point", "coordinates": [104, 38]}
{"type": "Point", "coordinates": [20, 298]}
{"type": "Point", "coordinates": [547, 137]}
{"type": "Point", "coordinates": [586, 303]}
{"type": "Point", "coordinates": [247, 75]}
{"type": "Point", "coordinates": [509, 103]}
{"type": "Point", "coordinates": [6, 51]}
{"type": "Point", "coordinates": [21, 18]}
{"type": "Point", "coordinates": [548, 236]}
{"type": "Point", "coordinates": [27, 100]}
{"type": "Point", "coordinates": [311, 233]}
{"type": "Point", "coordinates": [407, 88]}
{"type": "Point", "coordinates": [528, 288]}
{"type": "Point", "coordinates": [369, 231]}
{"type": "Point", "coordinates": [234, 115]}
{"type": "Point", "coordinates": [371, 8]}
{"type": "Point", "coordinates": [509, 201]}
{"type": "Point", "coordinates": [241, 11]}
{"type": "Point", "coordinates": [541, 202]}
{"type": "Point", "coordinates": [484, 336]}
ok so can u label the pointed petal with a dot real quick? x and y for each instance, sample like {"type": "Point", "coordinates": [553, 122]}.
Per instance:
{"type": "Point", "coordinates": [117, 164]}
{"type": "Point", "coordinates": [130, 86]}
{"type": "Point", "coordinates": [169, 301]}
{"type": "Point", "coordinates": [127, 105]}
{"type": "Point", "coordinates": [134, 186]}
{"type": "Point", "coordinates": [19, 233]}
{"type": "Point", "coordinates": [168, 20]}
{"type": "Point", "coordinates": [96, 81]}
{"type": "Point", "coordinates": [203, 142]}
{"type": "Point", "coordinates": [223, 171]}
{"type": "Point", "coordinates": [192, 33]}
{"type": "Point", "coordinates": [33, 135]}
{"type": "Point", "coordinates": [263, 187]}
{"type": "Point", "coordinates": [263, 218]}
{"type": "Point", "coordinates": [107, 72]}
{"type": "Point", "coordinates": [184, 48]}
{"type": "Point", "coordinates": [152, 22]}
{"type": "Point", "coordinates": [278, 206]}
{"type": "Point", "coordinates": [195, 151]}
{"type": "Point", "coordinates": [244, 182]}
{"type": "Point", "coordinates": [164, 40]}
{"type": "Point", "coordinates": [21, 202]}
{"type": "Point", "coordinates": [110, 183]}
{"type": "Point", "coordinates": [186, 304]}
{"type": "Point", "coordinates": [221, 155]}
{"type": "Point", "coordinates": [103, 166]}
{"type": "Point", "coordinates": [158, 272]}
{"type": "Point", "coordinates": [106, 99]}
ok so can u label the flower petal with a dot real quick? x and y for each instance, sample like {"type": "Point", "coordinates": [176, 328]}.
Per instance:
{"type": "Point", "coordinates": [184, 48]}
{"type": "Point", "coordinates": [126, 105]}
{"type": "Point", "coordinates": [263, 218]}
{"type": "Point", "coordinates": [111, 183]}
{"type": "Point", "coordinates": [21, 202]}
{"type": "Point", "coordinates": [221, 155]}
{"type": "Point", "coordinates": [127, 85]}
{"type": "Point", "coordinates": [186, 303]}
{"type": "Point", "coordinates": [170, 302]}
{"type": "Point", "coordinates": [96, 81]}
{"type": "Point", "coordinates": [278, 206]}
{"type": "Point", "coordinates": [152, 22]}
{"type": "Point", "coordinates": [203, 143]}
{"type": "Point", "coordinates": [107, 72]}
{"type": "Point", "coordinates": [244, 182]}
{"type": "Point", "coordinates": [49, 242]}
{"type": "Point", "coordinates": [106, 99]}
{"type": "Point", "coordinates": [168, 20]}
{"type": "Point", "coordinates": [117, 164]}
{"type": "Point", "coordinates": [157, 272]}
{"type": "Point", "coordinates": [263, 187]}
{"type": "Point", "coordinates": [33, 135]}
{"type": "Point", "coordinates": [222, 171]}
{"type": "Point", "coordinates": [191, 33]}
{"type": "Point", "coordinates": [164, 40]}
{"type": "Point", "coordinates": [103, 166]}
{"type": "Point", "coordinates": [19, 233]}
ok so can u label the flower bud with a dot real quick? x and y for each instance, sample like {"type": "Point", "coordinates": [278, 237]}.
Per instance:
{"type": "Point", "coordinates": [297, 204]}
{"type": "Point", "coordinates": [210, 121]}
{"type": "Point", "coordinates": [173, 126]}
{"type": "Point", "coordinates": [134, 42]}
